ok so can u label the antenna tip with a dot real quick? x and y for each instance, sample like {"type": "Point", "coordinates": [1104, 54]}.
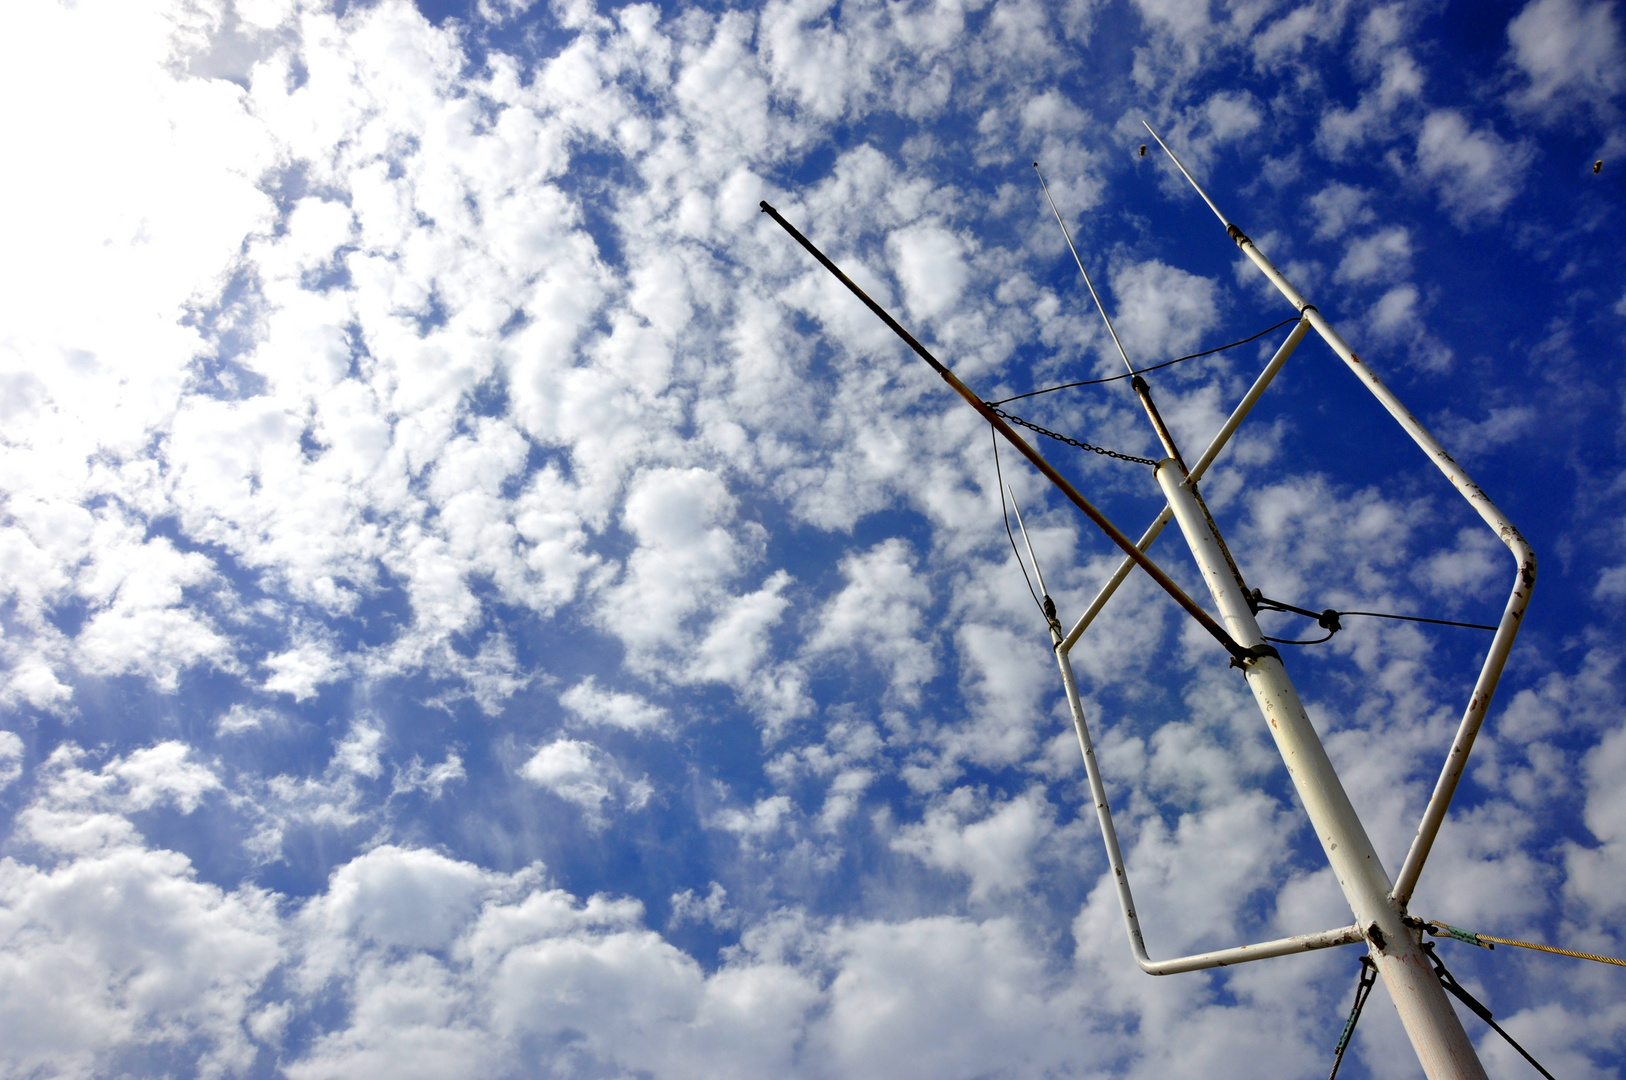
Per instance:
{"type": "Point", "coordinates": [1035, 164]}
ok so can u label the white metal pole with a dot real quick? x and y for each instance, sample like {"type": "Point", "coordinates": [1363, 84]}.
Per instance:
{"type": "Point", "coordinates": [1436, 1034]}
{"type": "Point", "coordinates": [1524, 576]}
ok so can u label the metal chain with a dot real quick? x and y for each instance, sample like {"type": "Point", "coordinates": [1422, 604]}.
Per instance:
{"type": "Point", "coordinates": [1103, 451]}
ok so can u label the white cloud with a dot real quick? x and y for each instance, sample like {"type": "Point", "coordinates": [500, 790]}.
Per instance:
{"type": "Point", "coordinates": [334, 799]}
{"type": "Point", "coordinates": [1570, 52]}
{"type": "Point", "coordinates": [1396, 82]}
{"type": "Point", "coordinates": [1475, 171]}
{"type": "Point", "coordinates": [1338, 208]}
{"type": "Point", "coordinates": [11, 758]}
{"type": "Point", "coordinates": [124, 950]}
{"type": "Point", "coordinates": [1396, 319]}
{"type": "Point", "coordinates": [1160, 311]}
{"type": "Point", "coordinates": [1597, 874]}
{"type": "Point", "coordinates": [944, 997]}
{"type": "Point", "coordinates": [685, 555]}
{"type": "Point", "coordinates": [302, 670]}
{"type": "Point", "coordinates": [431, 779]}
{"type": "Point", "coordinates": [992, 844]}
{"type": "Point", "coordinates": [712, 909]}
{"type": "Point", "coordinates": [1384, 255]}
{"type": "Point", "coordinates": [1501, 425]}
{"type": "Point", "coordinates": [761, 820]}
{"type": "Point", "coordinates": [593, 704]}
{"type": "Point", "coordinates": [878, 617]}
{"type": "Point", "coordinates": [240, 718]}
{"type": "Point", "coordinates": [404, 897]}
{"type": "Point", "coordinates": [580, 773]}
{"type": "Point", "coordinates": [930, 263]}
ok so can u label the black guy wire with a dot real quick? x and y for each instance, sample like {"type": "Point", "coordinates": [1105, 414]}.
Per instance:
{"type": "Point", "coordinates": [1144, 370]}
{"type": "Point", "coordinates": [1006, 514]}
{"type": "Point", "coordinates": [1479, 1009]}
{"type": "Point", "coordinates": [1363, 990]}
{"type": "Point", "coordinates": [1328, 620]}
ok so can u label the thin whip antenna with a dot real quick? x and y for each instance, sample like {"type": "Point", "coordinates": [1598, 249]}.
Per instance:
{"type": "Point", "coordinates": [1040, 573]}
{"type": "Point", "coordinates": [1223, 219]}
{"type": "Point", "coordinates": [1093, 294]}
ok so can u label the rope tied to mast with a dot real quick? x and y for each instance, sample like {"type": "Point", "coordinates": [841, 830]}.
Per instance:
{"type": "Point", "coordinates": [1485, 941]}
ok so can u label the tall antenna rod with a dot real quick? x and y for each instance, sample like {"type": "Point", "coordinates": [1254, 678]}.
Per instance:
{"type": "Point", "coordinates": [1223, 219]}
{"type": "Point", "coordinates": [1096, 296]}
{"type": "Point", "coordinates": [1142, 391]}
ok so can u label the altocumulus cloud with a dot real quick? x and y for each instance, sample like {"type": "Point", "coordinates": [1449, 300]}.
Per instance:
{"type": "Point", "coordinates": [450, 535]}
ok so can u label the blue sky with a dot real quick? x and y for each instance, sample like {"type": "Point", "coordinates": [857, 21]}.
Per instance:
{"type": "Point", "coordinates": [479, 601]}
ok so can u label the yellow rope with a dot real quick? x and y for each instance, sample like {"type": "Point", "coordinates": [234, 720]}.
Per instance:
{"type": "Point", "coordinates": [1554, 949]}
{"type": "Point", "coordinates": [1440, 929]}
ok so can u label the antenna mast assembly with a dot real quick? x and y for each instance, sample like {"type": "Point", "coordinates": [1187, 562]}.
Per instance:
{"type": "Point", "coordinates": [1379, 906]}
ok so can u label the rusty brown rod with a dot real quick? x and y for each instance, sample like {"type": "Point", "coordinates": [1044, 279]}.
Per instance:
{"type": "Point", "coordinates": [1152, 569]}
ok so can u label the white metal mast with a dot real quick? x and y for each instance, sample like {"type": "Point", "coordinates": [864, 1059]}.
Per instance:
{"type": "Point", "coordinates": [1378, 906]}
{"type": "Point", "coordinates": [1442, 1046]}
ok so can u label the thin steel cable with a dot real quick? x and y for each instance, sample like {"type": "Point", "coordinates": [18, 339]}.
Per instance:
{"type": "Point", "coordinates": [1006, 515]}
{"type": "Point", "coordinates": [1440, 929]}
{"type": "Point", "coordinates": [1363, 990]}
{"type": "Point", "coordinates": [1418, 618]}
{"type": "Point", "coordinates": [1144, 370]}
{"type": "Point", "coordinates": [1328, 619]}
{"type": "Point", "coordinates": [1478, 1007]}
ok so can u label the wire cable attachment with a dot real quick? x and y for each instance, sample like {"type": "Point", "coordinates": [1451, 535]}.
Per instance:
{"type": "Point", "coordinates": [1090, 447]}
{"type": "Point", "coordinates": [1486, 941]}
{"type": "Point", "coordinates": [1478, 1007]}
{"type": "Point", "coordinates": [1330, 620]}
{"type": "Point", "coordinates": [999, 476]}
{"type": "Point", "coordinates": [1363, 990]}
{"type": "Point", "coordinates": [1144, 370]}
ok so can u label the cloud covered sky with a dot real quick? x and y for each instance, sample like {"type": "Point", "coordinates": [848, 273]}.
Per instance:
{"type": "Point", "coordinates": [477, 600]}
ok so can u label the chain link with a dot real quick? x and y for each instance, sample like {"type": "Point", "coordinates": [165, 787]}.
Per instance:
{"type": "Point", "coordinates": [1103, 451]}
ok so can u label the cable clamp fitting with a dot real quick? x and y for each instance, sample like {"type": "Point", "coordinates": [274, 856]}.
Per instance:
{"type": "Point", "coordinates": [1244, 657]}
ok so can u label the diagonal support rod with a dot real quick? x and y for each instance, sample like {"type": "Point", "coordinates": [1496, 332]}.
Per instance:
{"type": "Point", "coordinates": [1192, 608]}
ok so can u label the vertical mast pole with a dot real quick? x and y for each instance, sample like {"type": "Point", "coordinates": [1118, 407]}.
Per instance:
{"type": "Point", "coordinates": [1442, 1046]}
{"type": "Point", "coordinates": [1436, 1034]}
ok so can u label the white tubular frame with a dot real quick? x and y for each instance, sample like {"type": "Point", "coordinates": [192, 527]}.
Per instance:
{"type": "Point", "coordinates": [1234, 421]}
{"type": "Point", "coordinates": [1241, 954]}
{"type": "Point", "coordinates": [1524, 578]}
{"type": "Point", "coordinates": [1347, 935]}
